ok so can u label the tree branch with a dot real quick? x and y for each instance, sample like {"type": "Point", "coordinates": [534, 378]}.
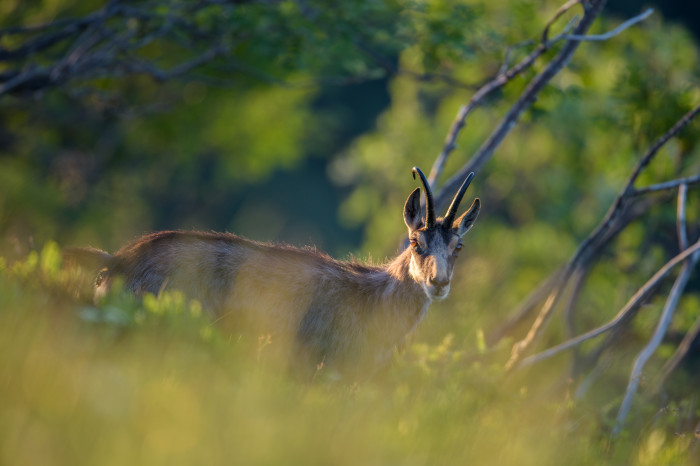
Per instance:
{"type": "Point", "coordinates": [524, 309]}
{"type": "Point", "coordinates": [692, 334]}
{"type": "Point", "coordinates": [560, 11]}
{"type": "Point", "coordinates": [691, 180]}
{"type": "Point", "coordinates": [111, 42]}
{"type": "Point", "coordinates": [610, 34]}
{"type": "Point", "coordinates": [616, 210]}
{"type": "Point", "coordinates": [547, 286]}
{"type": "Point", "coordinates": [681, 228]}
{"type": "Point", "coordinates": [650, 348]}
{"type": "Point", "coordinates": [591, 11]}
{"type": "Point", "coordinates": [678, 355]}
{"type": "Point", "coordinates": [526, 99]}
{"type": "Point", "coordinates": [503, 77]}
{"type": "Point", "coordinates": [578, 279]}
{"type": "Point", "coordinates": [640, 296]}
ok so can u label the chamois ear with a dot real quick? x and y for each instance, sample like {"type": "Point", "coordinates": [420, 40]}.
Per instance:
{"type": "Point", "coordinates": [464, 223]}
{"type": "Point", "coordinates": [411, 211]}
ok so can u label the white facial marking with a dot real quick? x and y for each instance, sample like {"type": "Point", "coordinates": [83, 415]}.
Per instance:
{"type": "Point", "coordinates": [414, 269]}
{"type": "Point", "coordinates": [435, 267]}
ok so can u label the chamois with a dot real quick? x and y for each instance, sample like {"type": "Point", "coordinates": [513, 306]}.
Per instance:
{"type": "Point", "coordinates": [341, 314]}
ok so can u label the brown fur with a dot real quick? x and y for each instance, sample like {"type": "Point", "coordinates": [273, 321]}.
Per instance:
{"type": "Point", "coordinates": [343, 314]}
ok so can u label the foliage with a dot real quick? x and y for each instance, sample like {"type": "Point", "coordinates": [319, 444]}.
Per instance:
{"type": "Point", "coordinates": [153, 382]}
{"type": "Point", "coordinates": [264, 142]}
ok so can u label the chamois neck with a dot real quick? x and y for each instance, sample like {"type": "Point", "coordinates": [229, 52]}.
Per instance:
{"type": "Point", "coordinates": [399, 267]}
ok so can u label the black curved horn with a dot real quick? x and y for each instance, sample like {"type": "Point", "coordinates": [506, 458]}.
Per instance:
{"type": "Point", "coordinates": [429, 204]}
{"type": "Point", "coordinates": [452, 210]}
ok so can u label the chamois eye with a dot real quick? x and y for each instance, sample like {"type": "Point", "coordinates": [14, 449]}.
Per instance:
{"type": "Point", "coordinates": [416, 246]}
{"type": "Point", "coordinates": [458, 249]}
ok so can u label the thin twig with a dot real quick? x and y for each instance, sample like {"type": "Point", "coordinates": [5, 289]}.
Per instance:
{"type": "Point", "coordinates": [646, 353]}
{"type": "Point", "coordinates": [598, 370]}
{"type": "Point", "coordinates": [104, 44]}
{"type": "Point", "coordinates": [506, 56]}
{"type": "Point", "coordinates": [388, 65]}
{"type": "Point", "coordinates": [28, 75]}
{"type": "Point", "coordinates": [681, 229]}
{"type": "Point", "coordinates": [678, 355]}
{"type": "Point", "coordinates": [524, 309]}
{"type": "Point", "coordinates": [666, 185]}
{"type": "Point", "coordinates": [67, 24]}
{"type": "Point", "coordinates": [178, 70]}
{"type": "Point", "coordinates": [680, 124]}
{"type": "Point", "coordinates": [600, 37]}
{"type": "Point", "coordinates": [578, 280]}
{"type": "Point", "coordinates": [562, 9]}
{"type": "Point", "coordinates": [640, 296]}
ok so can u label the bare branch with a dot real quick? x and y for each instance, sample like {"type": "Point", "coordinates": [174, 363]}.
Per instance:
{"type": "Point", "coordinates": [616, 211]}
{"type": "Point", "coordinates": [578, 280]}
{"type": "Point", "coordinates": [526, 99]}
{"type": "Point", "coordinates": [666, 315]}
{"type": "Point", "coordinates": [681, 229]}
{"type": "Point", "coordinates": [562, 9]}
{"type": "Point", "coordinates": [506, 56]}
{"type": "Point", "coordinates": [692, 334]}
{"type": "Point", "coordinates": [610, 34]}
{"type": "Point", "coordinates": [388, 65]}
{"type": "Point", "coordinates": [655, 341]}
{"type": "Point", "coordinates": [524, 309]}
{"type": "Point", "coordinates": [111, 42]}
{"type": "Point", "coordinates": [640, 296]}
{"type": "Point", "coordinates": [37, 45]}
{"type": "Point", "coordinates": [680, 124]}
{"type": "Point", "coordinates": [28, 76]}
{"type": "Point", "coordinates": [64, 23]}
{"type": "Point", "coordinates": [666, 185]}
{"type": "Point", "coordinates": [503, 77]}
{"type": "Point", "coordinates": [631, 214]}
{"type": "Point", "coordinates": [678, 355]}
{"type": "Point", "coordinates": [158, 74]}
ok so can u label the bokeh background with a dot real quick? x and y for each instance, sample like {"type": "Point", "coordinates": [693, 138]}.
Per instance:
{"type": "Point", "coordinates": [148, 156]}
{"type": "Point", "coordinates": [307, 137]}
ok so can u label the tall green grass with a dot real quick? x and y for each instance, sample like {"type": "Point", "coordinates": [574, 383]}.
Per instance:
{"type": "Point", "coordinates": [152, 381]}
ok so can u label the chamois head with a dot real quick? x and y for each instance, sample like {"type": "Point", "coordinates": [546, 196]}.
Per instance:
{"type": "Point", "coordinates": [436, 242]}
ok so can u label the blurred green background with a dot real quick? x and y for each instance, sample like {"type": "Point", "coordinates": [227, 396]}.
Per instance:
{"type": "Point", "coordinates": [308, 138]}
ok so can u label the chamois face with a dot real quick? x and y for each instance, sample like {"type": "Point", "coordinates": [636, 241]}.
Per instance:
{"type": "Point", "coordinates": [436, 243]}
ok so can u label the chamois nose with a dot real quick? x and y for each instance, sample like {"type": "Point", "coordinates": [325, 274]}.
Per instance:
{"type": "Point", "coordinates": [439, 284]}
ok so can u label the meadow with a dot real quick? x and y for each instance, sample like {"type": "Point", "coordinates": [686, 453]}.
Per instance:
{"type": "Point", "coordinates": [153, 382]}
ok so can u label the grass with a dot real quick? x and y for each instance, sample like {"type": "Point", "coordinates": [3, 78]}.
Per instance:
{"type": "Point", "coordinates": [149, 382]}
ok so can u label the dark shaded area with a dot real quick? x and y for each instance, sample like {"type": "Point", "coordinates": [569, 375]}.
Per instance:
{"type": "Point", "coordinates": [306, 197]}
{"type": "Point", "coordinates": [684, 12]}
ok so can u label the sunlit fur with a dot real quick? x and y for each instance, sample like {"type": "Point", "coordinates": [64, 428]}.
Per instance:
{"type": "Point", "coordinates": [320, 311]}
